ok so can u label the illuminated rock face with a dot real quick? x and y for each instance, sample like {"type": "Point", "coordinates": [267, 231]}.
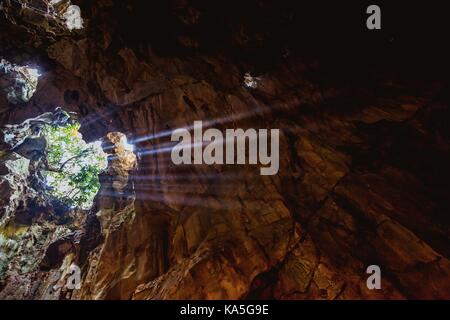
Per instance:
{"type": "Point", "coordinates": [73, 19]}
{"type": "Point", "coordinates": [122, 162]}
{"type": "Point", "coordinates": [18, 82]}
{"type": "Point", "coordinates": [14, 174]}
{"type": "Point", "coordinates": [363, 171]}
{"type": "Point", "coordinates": [43, 19]}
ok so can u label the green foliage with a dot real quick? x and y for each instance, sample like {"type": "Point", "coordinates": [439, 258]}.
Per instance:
{"type": "Point", "coordinates": [8, 248]}
{"type": "Point", "coordinates": [73, 166]}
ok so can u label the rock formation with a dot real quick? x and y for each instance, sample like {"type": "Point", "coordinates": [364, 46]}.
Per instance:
{"type": "Point", "coordinates": [364, 153]}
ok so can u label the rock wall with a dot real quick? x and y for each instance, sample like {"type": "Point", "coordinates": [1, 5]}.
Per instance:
{"type": "Point", "coordinates": [363, 169]}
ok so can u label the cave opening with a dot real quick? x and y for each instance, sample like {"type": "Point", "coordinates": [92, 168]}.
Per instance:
{"type": "Point", "coordinates": [72, 166]}
{"type": "Point", "coordinates": [64, 168]}
{"type": "Point", "coordinates": [56, 183]}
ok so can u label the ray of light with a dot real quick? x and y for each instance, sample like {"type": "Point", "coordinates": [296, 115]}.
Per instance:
{"type": "Point", "coordinates": [168, 147]}
{"type": "Point", "coordinates": [200, 177]}
{"type": "Point", "coordinates": [259, 110]}
{"type": "Point", "coordinates": [187, 200]}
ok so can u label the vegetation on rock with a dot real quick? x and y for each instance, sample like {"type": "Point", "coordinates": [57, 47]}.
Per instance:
{"type": "Point", "coordinates": [73, 165]}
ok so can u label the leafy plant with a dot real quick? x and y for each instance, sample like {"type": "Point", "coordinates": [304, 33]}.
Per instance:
{"type": "Point", "coordinates": [73, 165]}
{"type": "Point", "coordinates": [8, 248]}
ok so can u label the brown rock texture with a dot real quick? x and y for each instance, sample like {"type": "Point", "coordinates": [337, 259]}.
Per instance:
{"type": "Point", "coordinates": [363, 164]}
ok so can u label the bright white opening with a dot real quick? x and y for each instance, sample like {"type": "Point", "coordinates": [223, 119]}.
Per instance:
{"type": "Point", "coordinates": [73, 18]}
{"type": "Point", "coordinates": [251, 81]}
{"type": "Point", "coordinates": [127, 145]}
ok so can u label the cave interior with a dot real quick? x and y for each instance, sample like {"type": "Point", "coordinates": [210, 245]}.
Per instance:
{"type": "Point", "coordinates": [364, 150]}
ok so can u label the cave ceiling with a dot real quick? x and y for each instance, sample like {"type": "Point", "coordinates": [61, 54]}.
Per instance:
{"type": "Point", "coordinates": [364, 148]}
